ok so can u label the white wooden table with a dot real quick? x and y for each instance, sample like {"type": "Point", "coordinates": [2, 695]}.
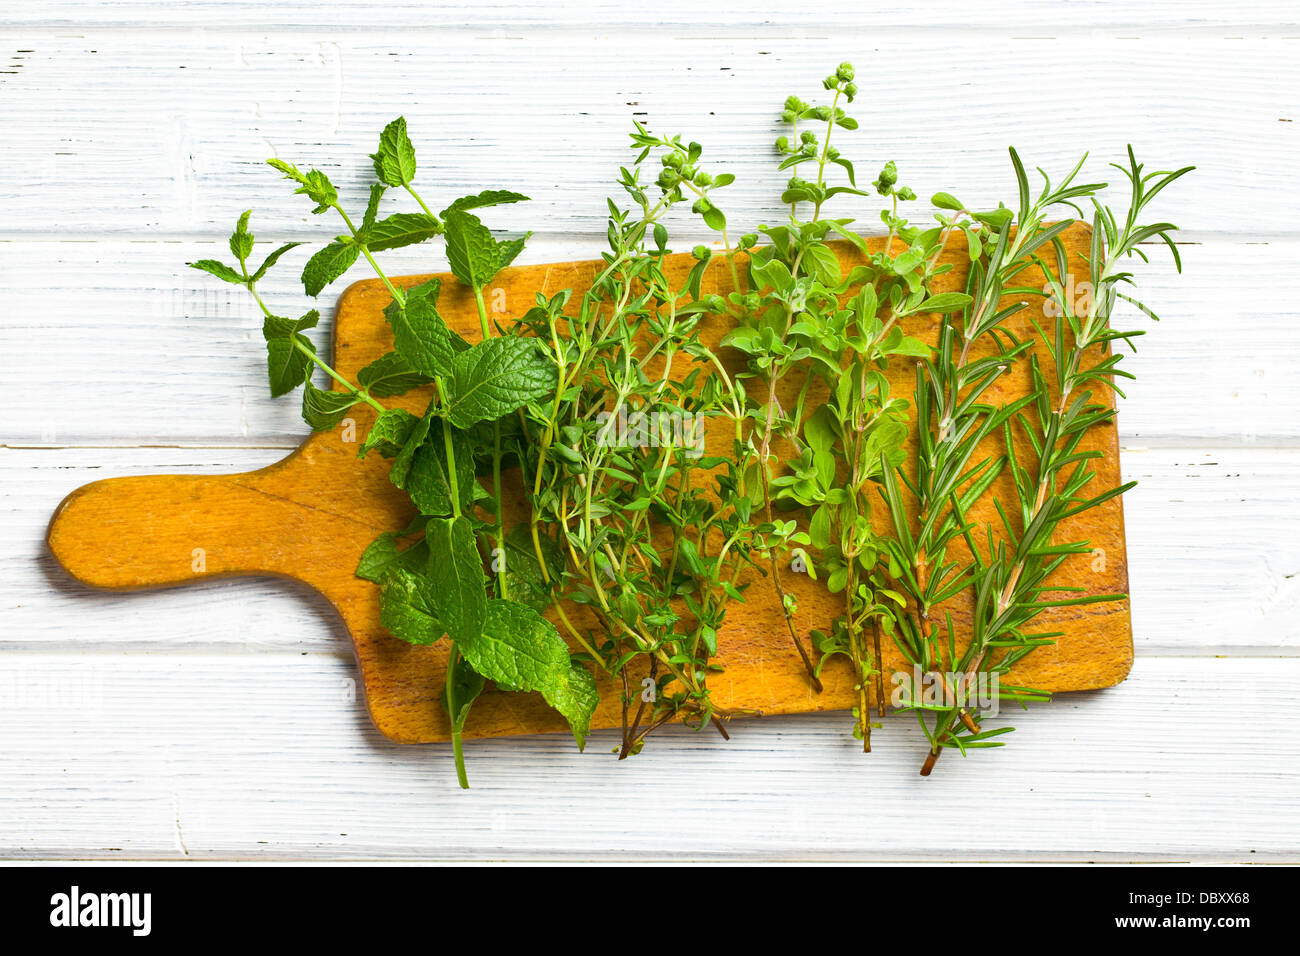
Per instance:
{"type": "Point", "coordinates": [220, 721]}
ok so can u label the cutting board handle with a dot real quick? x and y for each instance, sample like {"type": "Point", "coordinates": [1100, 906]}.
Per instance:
{"type": "Point", "coordinates": [158, 530]}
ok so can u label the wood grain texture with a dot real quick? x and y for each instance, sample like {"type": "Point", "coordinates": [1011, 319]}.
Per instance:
{"type": "Point", "coordinates": [311, 515]}
{"type": "Point", "coordinates": [1200, 522]}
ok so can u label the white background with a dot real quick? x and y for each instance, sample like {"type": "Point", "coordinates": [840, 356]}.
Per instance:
{"type": "Point", "coordinates": [218, 721]}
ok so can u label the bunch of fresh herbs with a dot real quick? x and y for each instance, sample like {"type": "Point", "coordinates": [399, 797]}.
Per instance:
{"type": "Point", "coordinates": [660, 483]}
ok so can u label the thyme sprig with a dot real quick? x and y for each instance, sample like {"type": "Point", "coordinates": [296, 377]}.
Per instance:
{"type": "Point", "coordinates": [653, 534]}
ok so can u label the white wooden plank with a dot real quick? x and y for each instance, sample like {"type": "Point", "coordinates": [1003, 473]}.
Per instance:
{"type": "Point", "coordinates": [1007, 15]}
{"type": "Point", "coordinates": [41, 604]}
{"type": "Point", "coordinates": [162, 353]}
{"type": "Point", "coordinates": [1212, 568]}
{"type": "Point", "coordinates": [1213, 559]}
{"type": "Point", "coordinates": [165, 133]}
{"type": "Point", "coordinates": [264, 756]}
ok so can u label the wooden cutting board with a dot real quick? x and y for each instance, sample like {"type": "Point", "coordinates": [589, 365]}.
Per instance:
{"type": "Point", "coordinates": [310, 516]}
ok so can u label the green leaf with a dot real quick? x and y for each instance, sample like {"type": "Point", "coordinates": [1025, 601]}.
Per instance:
{"type": "Point", "coordinates": [509, 249]}
{"type": "Point", "coordinates": [241, 240]}
{"type": "Point", "coordinates": [327, 265]}
{"type": "Point", "coordinates": [273, 258]}
{"type": "Point", "coordinates": [389, 375]}
{"type": "Point", "coordinates": [489, 197]}
{"type": "Point", "coordinates": [395, 160]}
{"type": "Point", "coordinates": [520, 649]}
{"type": "Point", "coordinates": [457, 595]}
{"type": "Point", "coordinates": [286, 363]}
{"type": "Point", "coordinates": [400, 471]}
{"type": "Point", "coordinates": [744, 338]}
{"type": "Point", "coordinates": [382, 557]}
{"type": "Point", "coordinates": [945, 302]}
{"type": "Point", "coordinates": [909, 347]}
{"type": "Point", "coordinates": [317, 187]}
{"type": "Point", "coordinates": [525, 581]}
{"type": "Point", "coordinates": [221, 271]}
{"type": "Point", "coordinates": [399, 229]}
{"type": "Point", "coordinates": [822, 263]}
{"type": "Point", "coordinates": [323, 410]}
{"type": "Point", "coordinates": [313, 183]}
{"type": "Point", "coordinates": [775, 274]}
{"type": "Point", "coordinates": [390, 432]}
{"type": "Point", "coordinates": [404, 607]}
{"type": "Point", "coordinates": [471, 250]}
{"type": "Point", "coordinates": [377, 191]}
{"type": "Point", "coordinates": [423, 468]}
{"type": "Point", "coordinates": [497, 376]}
{"type": "Point", "coordinates": [713, 218]}
{"type": "Point", "coordinates": [819, 528]}
{"type": "Point", "coordinates": [947, 201]}
{"type": "Point", "coordinates": [465, 685]}
{"type": "Point", "coordinates": [420, 335]}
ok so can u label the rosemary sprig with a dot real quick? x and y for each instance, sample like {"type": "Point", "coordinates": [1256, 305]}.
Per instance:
{"type": "Point", "coordinates": [1011, 577]}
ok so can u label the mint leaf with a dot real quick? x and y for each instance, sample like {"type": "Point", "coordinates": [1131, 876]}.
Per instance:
{"type": "Point", "coordinates": [377, 191]}
{"type": "Point", "coordinates": [465, 684]}
{"type": "Point", "coordinates": [405, 610]}
{"type": "Point", "coordinates": [575, 696]}
{"type": "Point", "coordinates": [399, 229]}
{"type": "Point", "coordinates": [286, 363]}
{"type": "Point", "coordinates": [327, 265]}
{"type": "Point", "coordinates": [221, 271]}
{"type": "Point", "coordinates": [314, 184]}
{"type": "Point", "coordinates": [400, 471]}
{"type": "Point", "coordinates": [489, 197]}
{"type": "Point", "coordinates": [508, 249]}
{"type": "Point", "coordinates": [323, 410]}
{"type": "Point", "coordinates": [471, 250]}
{"type": "Point", "coordinates": [383, 557]}
{"type": "Point", "coordinates": [389, 434]}
{"type": "Point", "coordinates": [525, 582]}
{"type": "Point", "coordinates": [395, 160]}
{"type": "Point", "coordinates": [495, 377]}
{"type": "Point", "coordinates": [420, 335]}
{"type": "Point", "coordinates": [426, 479]}
{"type": "Point", "coordinates": [456, 574]}
{"type": "Point", "coordinates": [273, 258]}
{"type": "Point", "coordinates": [276, 326]}
{"type": "Point", "coordinates": [520, 649]}
{"type": "Point", "coordinates": [389, 375]}
{"type": "Point", "coordinates": [241, 240]}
